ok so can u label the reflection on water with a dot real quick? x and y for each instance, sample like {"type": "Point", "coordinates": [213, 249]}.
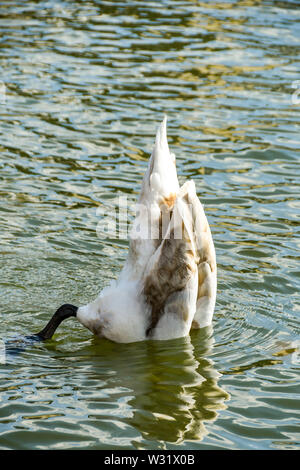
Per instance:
{"type": "Point", "coordinates": [82, 88]}
{"type": "Point", "coordinates": [180, 392]}
{"type": "Point", "coordinates": [167, 391]}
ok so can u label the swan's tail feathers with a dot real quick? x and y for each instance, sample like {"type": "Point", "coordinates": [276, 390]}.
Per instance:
{"type": "Point", "coordinates": [161, 141]}
{"type": "Point", "coordinates": [160, 180]}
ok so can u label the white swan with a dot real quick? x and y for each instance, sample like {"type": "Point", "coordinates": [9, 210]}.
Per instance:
{"type": "Point", "coordinates": [168, 283]}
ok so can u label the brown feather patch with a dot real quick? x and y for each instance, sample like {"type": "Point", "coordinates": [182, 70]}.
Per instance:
{"type": "Point", "coordinates": [170, 275]}
{"type": "Point", "coordinates": [168, 201]}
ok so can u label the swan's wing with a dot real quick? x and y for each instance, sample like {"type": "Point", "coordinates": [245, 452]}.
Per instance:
{"type": "Point", "coordinates": [180, 280]}
{"type": "Point", "coordinates": [207, 267]}
{"type": "Point", "coordinates": [171, 277]}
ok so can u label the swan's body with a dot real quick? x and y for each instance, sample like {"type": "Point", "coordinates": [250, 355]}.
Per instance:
{"type": "Point", "coordinates": [168, 283]}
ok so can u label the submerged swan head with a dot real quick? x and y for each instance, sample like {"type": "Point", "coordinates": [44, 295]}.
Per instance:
{"type": "Point", "coordinates": [168, 283]}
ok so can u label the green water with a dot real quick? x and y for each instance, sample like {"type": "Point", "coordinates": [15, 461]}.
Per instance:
{"type": "Point", "coordinates": [84, 85]}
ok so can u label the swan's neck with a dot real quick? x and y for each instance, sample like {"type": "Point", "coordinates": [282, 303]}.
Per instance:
{"type": "Point", "coordinates": [61, 314]}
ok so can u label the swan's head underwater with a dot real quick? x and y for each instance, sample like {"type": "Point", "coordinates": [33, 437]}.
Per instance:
{"type": "Point", "coordinates": [168, 283]}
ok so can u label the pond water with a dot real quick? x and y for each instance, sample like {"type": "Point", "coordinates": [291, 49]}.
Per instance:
{"type": "Point", "coordinates": [83, 88]}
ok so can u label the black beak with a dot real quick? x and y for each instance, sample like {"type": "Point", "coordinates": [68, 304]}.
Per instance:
{"type": "Point", "coordinates": [61, 314]}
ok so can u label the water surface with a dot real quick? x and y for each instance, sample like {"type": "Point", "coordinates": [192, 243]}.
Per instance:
{"type": "Point", "coordinates": [84, 85]}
